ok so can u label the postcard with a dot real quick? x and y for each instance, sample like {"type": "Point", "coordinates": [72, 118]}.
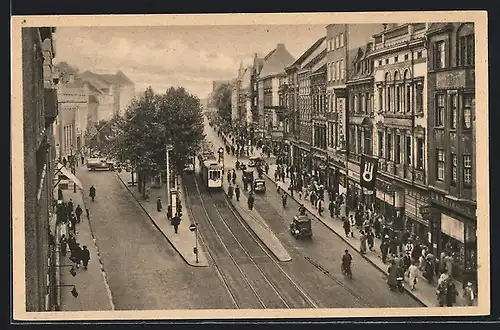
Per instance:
{"type": "Point", "coordinates": [303, 165]}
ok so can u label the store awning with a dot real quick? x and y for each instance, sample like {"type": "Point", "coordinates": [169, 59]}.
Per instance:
{"type": "Point", "coordinates": [64, 171]}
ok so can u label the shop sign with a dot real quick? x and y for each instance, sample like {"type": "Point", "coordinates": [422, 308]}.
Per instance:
{"type": "Point", "coordinates": [452, 227]}
{"type": "Point", "coordinates": [368, 172]}
{"type": "Point", "coordinates": [454, 205]}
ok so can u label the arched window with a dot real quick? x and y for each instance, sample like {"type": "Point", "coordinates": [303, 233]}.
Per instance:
{"type": "Point", "coordinates": [387, 92]}
{"type": "Point", "coordinates": [465, 42]}
{"type": "Point", "coordinates": [397, 92]}
{"type": "Point", "coordinates": [407, 88]}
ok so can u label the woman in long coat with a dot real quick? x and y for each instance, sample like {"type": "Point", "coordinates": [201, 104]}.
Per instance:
{"type": "Point", "coordinates": [392, 279]}
{"type": "Point", "coordinates": [362, 238]}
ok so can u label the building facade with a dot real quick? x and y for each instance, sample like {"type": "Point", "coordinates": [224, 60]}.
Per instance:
{"type": "Point", "coordinates": [39, 111]}
{"type": "Point", "coordinates": [451, 147]}
{"type": "Point", "coordinates": [400, 77]}
{"type": "Point", "coordinates": [271, 113]}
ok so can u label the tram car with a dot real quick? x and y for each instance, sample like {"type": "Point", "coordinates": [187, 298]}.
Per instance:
{"type": "Point", "coordinates": [211, 173]}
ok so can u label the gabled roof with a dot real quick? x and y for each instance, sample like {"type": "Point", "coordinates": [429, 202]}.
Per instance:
{"type": "Point", "coordinates": [104, 80]}
{"type": "Point", "coordinates": [276, 61]}
{"type": "Point", "coordinates": [309, 51]}
{"type": "Point", "coordinates": [312, 63]}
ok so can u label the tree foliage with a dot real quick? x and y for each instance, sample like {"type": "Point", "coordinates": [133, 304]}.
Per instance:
{"type": "Point", "coordinates": [222, 101]}
{"type": "Point", "coordinates": [65, 70]}
{"type": "Point", "coordinates": [100, 136]}
{"type": "Point", "coordinates": [154, 120]}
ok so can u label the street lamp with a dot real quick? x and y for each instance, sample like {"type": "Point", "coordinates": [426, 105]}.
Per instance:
{"type": "Point", "coordinates": [221, 159]}
{"type": "Point", "coordinates": [72, 270]}
{"type": "Point", "coordinates": [168, 148]}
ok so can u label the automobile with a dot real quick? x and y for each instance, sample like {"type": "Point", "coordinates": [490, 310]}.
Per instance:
{"type": "Point", "coordinates": [255, 161]}
{"type": "Point", "coordinates": [248, 175]}
{"type": "Point", "coordinates": [259, 185]}
{"type": "Point", "coordinates": [97, 163]}
{"type": "Point", "coordinates": [301, 226]}
{"type": "Point", "coordinates": [189, 168]}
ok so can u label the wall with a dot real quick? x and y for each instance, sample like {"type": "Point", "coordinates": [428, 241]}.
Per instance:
{"type": "Point", "coordinates": [276, 86]}
{"type": "Point", "coordinates": [105, 108]}
{"type": "Point", "coordinates": [36, 211]}
{"type": "Point", "coordinates": [127, 95]}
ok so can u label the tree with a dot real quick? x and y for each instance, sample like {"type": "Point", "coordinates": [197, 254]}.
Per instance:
{"type": "Point", "coordinates": [100, 136]}
{"type": "Point", "coordinates": [222, 101]}
{"type": "Point", "coordinates": [154, 120]}
{"type": "Point", "coordinates": [65, 70]}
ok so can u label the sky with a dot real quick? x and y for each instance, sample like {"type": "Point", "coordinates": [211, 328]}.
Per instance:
{"type": "Point", "coordinates": [188, 56]}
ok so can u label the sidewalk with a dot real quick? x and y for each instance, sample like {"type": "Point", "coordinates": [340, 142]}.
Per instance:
{"type": "Point", "coordinates": [93, 291]}
{"type": "Point", "coordinates": [184, 241]}
{"type": "Point", "coordinates": [424, 292]}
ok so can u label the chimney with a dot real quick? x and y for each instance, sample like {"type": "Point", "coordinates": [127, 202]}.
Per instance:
{"type": "Point", "coordinates": [280, 47]}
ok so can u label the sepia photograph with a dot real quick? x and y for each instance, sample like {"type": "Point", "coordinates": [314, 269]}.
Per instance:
{"type": "Point", "coordinates": [250, 166]}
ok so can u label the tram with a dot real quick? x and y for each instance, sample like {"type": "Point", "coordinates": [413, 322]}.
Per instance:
{"type": "Point", "coordinates": [211, 173]}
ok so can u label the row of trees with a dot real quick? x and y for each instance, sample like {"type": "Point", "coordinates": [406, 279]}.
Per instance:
{"type": "Point", "coordinates": [149, 124]}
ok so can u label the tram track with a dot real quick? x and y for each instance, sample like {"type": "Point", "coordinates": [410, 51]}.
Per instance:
{"type": "Point", "coordinates": [260, 280]}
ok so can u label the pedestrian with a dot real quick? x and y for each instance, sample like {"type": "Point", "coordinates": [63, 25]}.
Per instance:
{"type": "Point", "coordinates": [443, 277]}
{"type": "Point", "coordinates": [70, 206]}
{"type": "Point", "coordinates": [85, 256]}
{"type": "Point", "coordinates": [92, 192]}
{"type": "Point", "coordinates": [469, 294]}
{"type": "Point", "coordinates": [370, 239]}
{"type": "Point", "coordinates": [353, 223]}
{"type": "Point", "coordinates": [78, 212]}
{"type": "Point", "coordinates": [362, 239]}
{"type": "Point", "coordinates": [234, 177]}
{"type": "Point", "coordinates": [384, 248]}
{"type": "Point", "coordinates": [237, 193]}
{"type": "Point", "coordinates": [230, 191]}
{"type": "Point", "coordinates": [176, 221]}
{"type": "Point", "coordinates": [347, 227]}
{"type": "Point", "coordinates": [320, 207]}
{"type": "Point", "coordinates": [73, 223]}
{"type": "Point", "coordinates": [376, 226]}
{"type": "Point", "coordinates": [392, 278]}
{"type": "Point", "coordinates": [250, 201]}
{"type": "Point", "coordinates": [158, 204]}
{"type": "Point", "coordinates": [331, 208]}
{"type": "Point", "coordinates": [228, 176]}
{"type": "Point", "coordinates": [412, 274]}
{"type": "Point", "coordinates": [76, 255]}
{"type": "Point", "coordinates": [63, 243]}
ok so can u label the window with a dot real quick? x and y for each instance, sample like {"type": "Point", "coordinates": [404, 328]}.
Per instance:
{"type": "Point", "coordinates": [337, 43]}
{"type": "Point", "coordinates": [440, 164]}
{"type": "Point", "coordinates": [367, 104]}
{"type": "Point", "coordinates": [379, 62]}
{"type": "Point", "coordinates": [398, 98]}
{"type": "Point", "coordinates": [467, 111]}
{"type": "Point", "coordinates": [359, 141]}
{"type": "Point", "coordinates": [440, 55]}
{"type": "Point", "coordinates": [381, 144]}
{"type": "Point", "coordinates": [389, 146]}
{"type": "Point", "coordinates": [368, 141]}
{"type": "Point", "coordinates": [454, 169]}
{"type": "Point", "coordinates": [388, 98]}
{"type": "Point", "coordinates": [467, 170]}
{"type": "Point", "coordinates": [329, 77]}
{"type": "Point", "coordinates": [420, 153]}
{"type": "Point", "coordinates": [466, 54]}
{"type": "Point", "coordinates": [338, 70]}
{"type": "Point", "coordinates": [334, 73]}
{"type": "Point", "coordinates": [342, 73]}
{"type": "Point", "coordinates": [409, 154]}
{"type": "Point", "coordinates": [409, 101]}
{"type": "Point", "coordinates": [419, 54]}
{"type": "Point", "coordinates": [386, 61]}
{"type": "Point", "coordinates": [453, 111]}
{"type": "Point", "coordinates": [341, 40]}
{"type": "Point", "coordinates": [406, 57]}
{"type": "Point", "coordinates": [380, 100]}
{"type": "Point", "coordinates": [419, 98]}
{"type": "Point", "coordinates": [396, 58]}
{"type": "Point", "coordinates": [397, 157]}
{"type": "Point", "coordinates": [439, 110]}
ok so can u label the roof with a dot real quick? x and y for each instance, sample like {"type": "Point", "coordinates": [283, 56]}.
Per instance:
{"type": "Point", "coordinates": [309, 51]}
{"type": "Point", "coordinates": [436, 27]}
{"type": "Point", "coordinates": [104, 80]}
{"type": "Point", "coordinates": [316, 60]}
{"type": "Point", "coordinates": [276, 61]}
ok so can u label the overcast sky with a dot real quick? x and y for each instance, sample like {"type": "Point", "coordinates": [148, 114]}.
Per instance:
{"type": "Point", "coordinates": [189, 56]}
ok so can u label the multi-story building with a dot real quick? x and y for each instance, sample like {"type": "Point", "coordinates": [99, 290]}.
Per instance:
{"type": "Point", "coordinates": [342, 41]}
{"type": "Point", "coordinates": [255, 131]}
{"type": "Point", "coordinates": [241, 97]}
{"type": "Point", "coordinates": [270, 112]}
{"type": "Point", "coordinates": [451, 143]}
{"type": "Point", "coordinates": [39, 111]}
{"type": "Point", "coordinates": [299, 92]}
{"type": "Point", "coordinates": [400, 133]}
{"type": "Point", "coordinates": [114, 92]}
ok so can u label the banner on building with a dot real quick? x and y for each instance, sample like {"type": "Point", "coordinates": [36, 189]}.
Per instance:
{"type": "Point", "coordinates": [368, 172]}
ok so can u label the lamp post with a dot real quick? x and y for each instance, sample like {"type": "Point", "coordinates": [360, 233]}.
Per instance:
{"type": "Point", "coordinates": [168, 148]}
{"type": "Point", "coordinates": [221, 161]}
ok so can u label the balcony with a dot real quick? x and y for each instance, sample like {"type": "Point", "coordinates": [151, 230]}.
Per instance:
{"type": "Point", "coordinates": [51, 108]}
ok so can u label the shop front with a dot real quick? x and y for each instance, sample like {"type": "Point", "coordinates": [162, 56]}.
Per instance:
{"type": "Point", "coordinates": [320, 166]}
{"type": "Point", "coordinates": [414, 222]}
{"type": "Point", "coordinates": [457, 234]}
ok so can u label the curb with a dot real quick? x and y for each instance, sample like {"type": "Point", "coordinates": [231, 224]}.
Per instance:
{"type": "Point", "coordinates": [157, 227]}
{"type": "Point", "coordinates": [256, 235]}
{"type": "Point", "coordinates": [411, 294]}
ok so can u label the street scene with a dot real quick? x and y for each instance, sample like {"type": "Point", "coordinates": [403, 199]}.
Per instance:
{"type": "Point", "coordinates": [304, 167]}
